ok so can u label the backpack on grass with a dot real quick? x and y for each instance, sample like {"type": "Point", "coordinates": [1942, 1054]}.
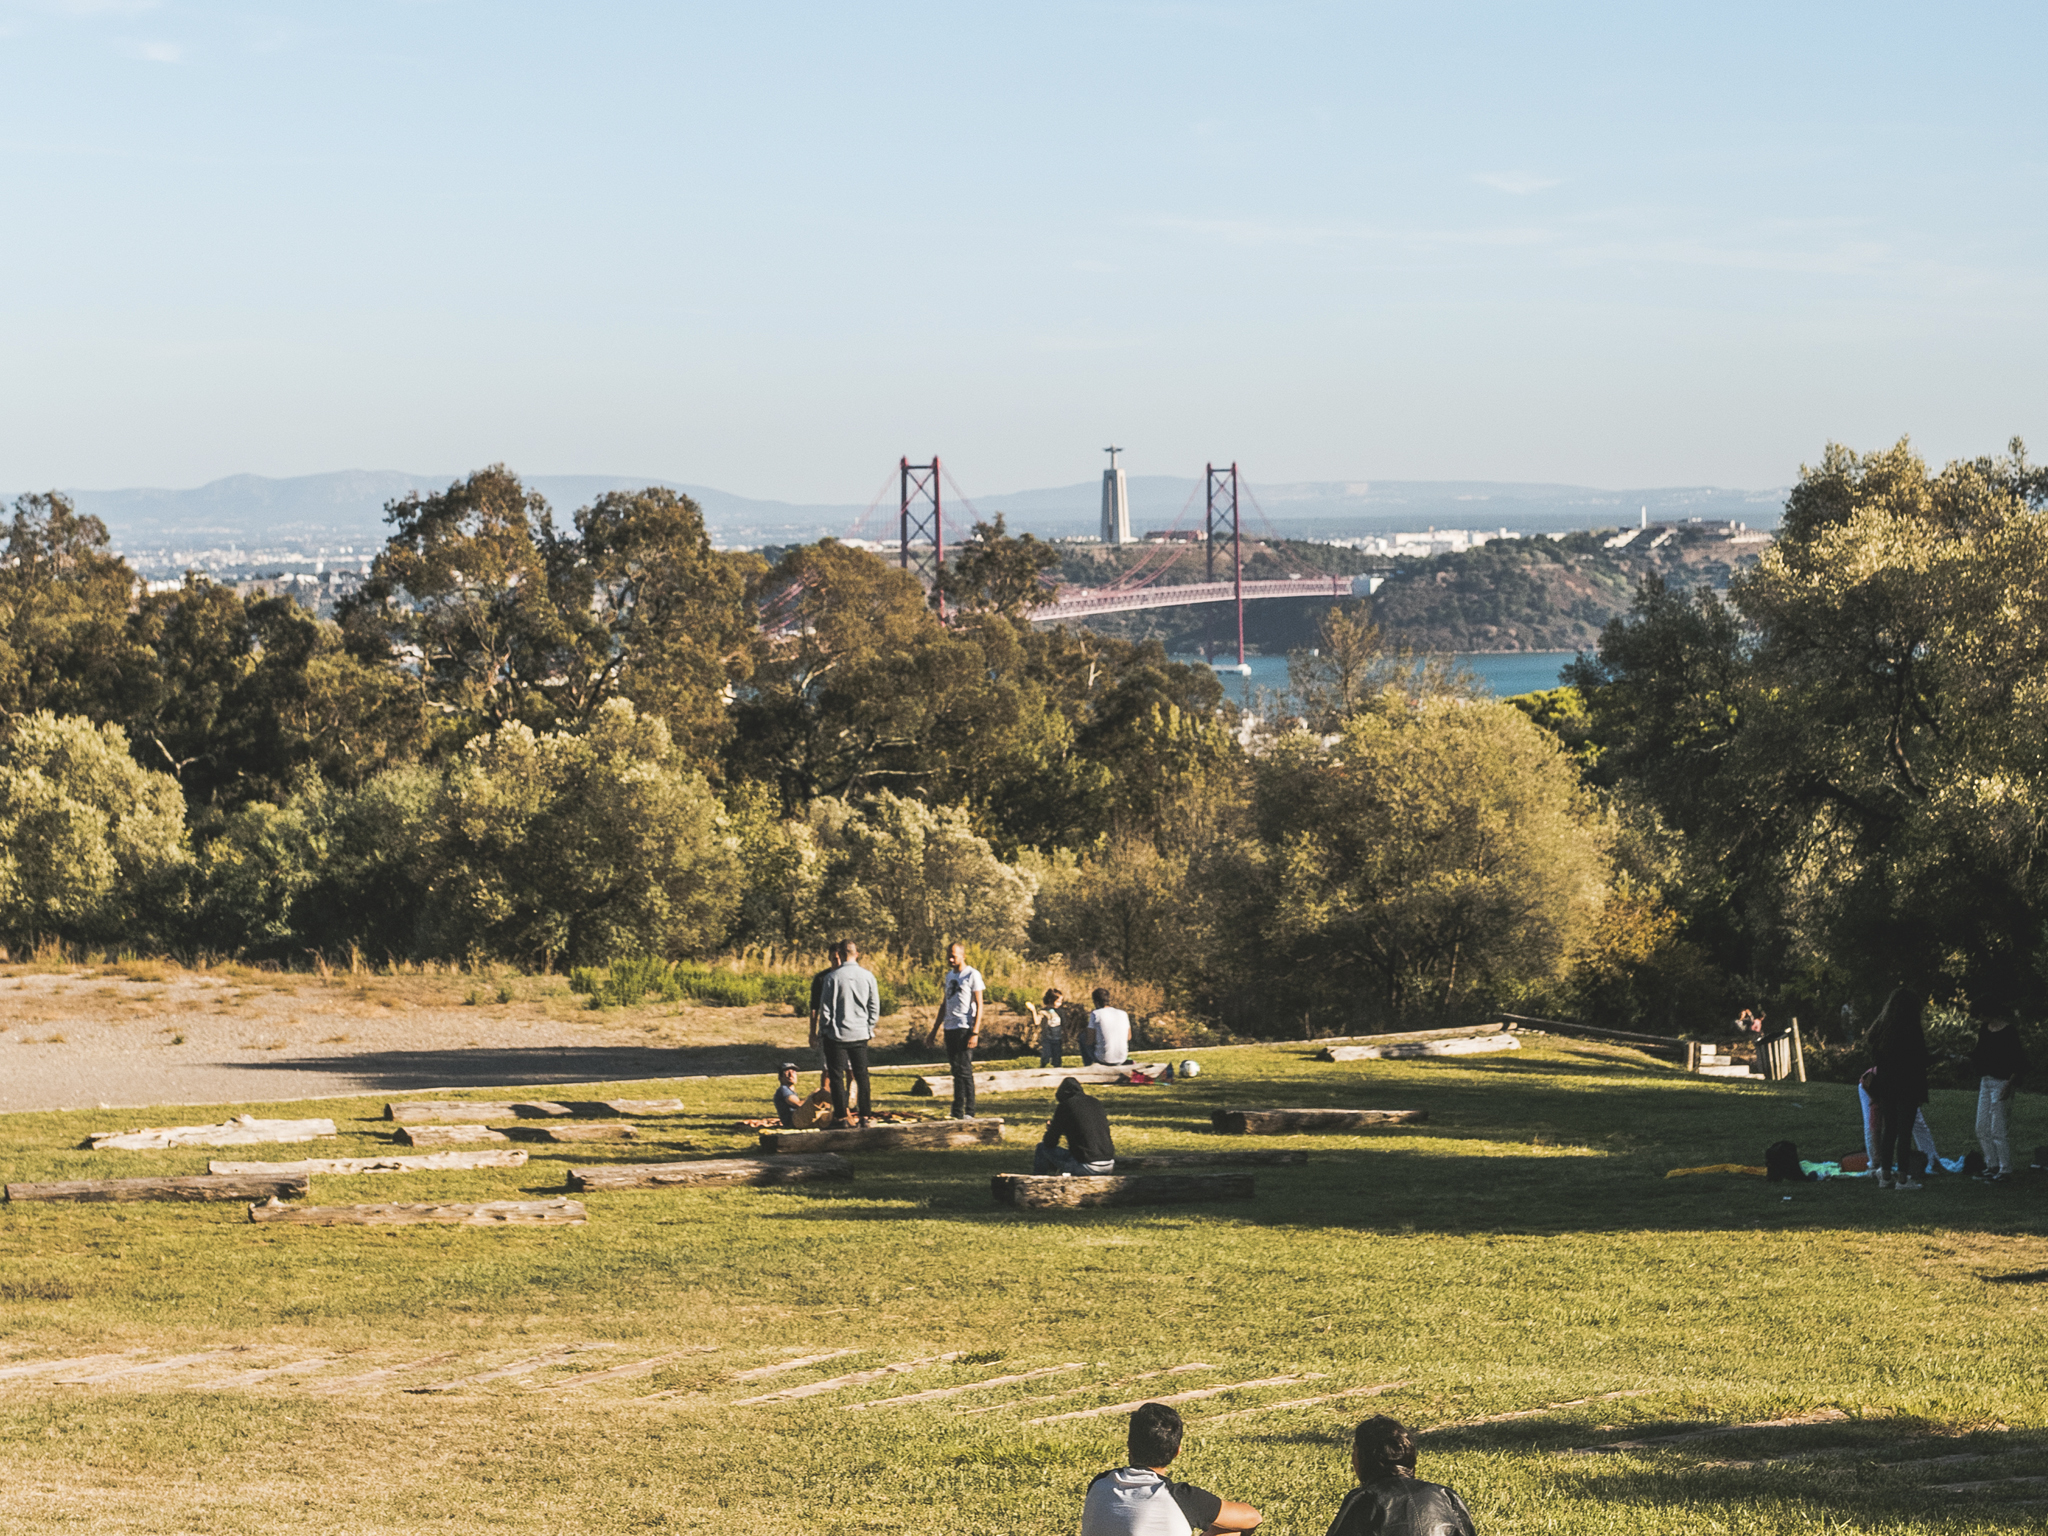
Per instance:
{"type": "Point", "coordinates": [1781, 1162]}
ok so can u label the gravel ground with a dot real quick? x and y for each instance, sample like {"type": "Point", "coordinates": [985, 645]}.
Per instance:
{"type": "Point", "coordinates": [80, 1040]}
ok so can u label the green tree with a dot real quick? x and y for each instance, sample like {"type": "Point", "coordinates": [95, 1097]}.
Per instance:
{"type": "Point", "coordinates": [1435, 854]}
{"type": "Point", "coordinates": [579, 846]}
{"type": "Point", "coordinates": [92, 845]}
{"type": "Point", "coordinates": [996, 573]}
{"type": "Point", "coordinates": [915, 878]}
{"type": "Point", "coordinates": [64, 597]}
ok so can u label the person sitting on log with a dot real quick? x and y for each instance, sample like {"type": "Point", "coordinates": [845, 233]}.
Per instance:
{"type": "Point", "coordinates": [1389, 1496]}
{"type": "Point", "coordinates": [1081, 1121]}
{"type": "Point", "coordinates": [1141, 1500]}
{"type": "Point", "coordinates": [787, 1100]}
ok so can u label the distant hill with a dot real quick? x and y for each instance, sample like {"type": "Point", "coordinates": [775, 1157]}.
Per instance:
{"type": "Point", "coordinates": [347, 508]}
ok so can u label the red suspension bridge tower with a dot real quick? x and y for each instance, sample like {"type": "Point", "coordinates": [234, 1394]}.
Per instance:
{"type": "Point", "coordinates": [922, 530]}
{"type": "Point", "coordinates": [1221, 493]}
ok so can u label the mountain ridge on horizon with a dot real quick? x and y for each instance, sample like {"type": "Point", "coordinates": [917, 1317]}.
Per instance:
{"type": "Point", "coordinates": [347, 506]}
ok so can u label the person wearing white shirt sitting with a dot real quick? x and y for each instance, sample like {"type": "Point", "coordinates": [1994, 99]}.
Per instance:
{"type": "Point", "coordinates": [1111, 1029]}
{"type": "Point", "coordinates": [1141, 1500]}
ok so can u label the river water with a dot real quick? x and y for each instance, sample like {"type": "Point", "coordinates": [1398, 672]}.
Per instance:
{"type": "Point", "coordinates": [1504, 672]}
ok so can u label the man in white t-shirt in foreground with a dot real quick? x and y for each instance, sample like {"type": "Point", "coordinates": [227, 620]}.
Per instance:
{"type": "Point", "coordinates": [1112, 1030]}
{"type": "Point", "coordinates": [1141, 1500]}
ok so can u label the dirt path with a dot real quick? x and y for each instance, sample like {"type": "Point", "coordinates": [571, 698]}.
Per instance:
{"type": "Point", "coordinates": [146, 1034]}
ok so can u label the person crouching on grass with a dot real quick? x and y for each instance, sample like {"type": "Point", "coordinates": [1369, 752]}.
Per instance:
{"type": "Point", "coordinates": [1141, 1500]}
{"type": "Point", "coordinates": [1390, 1500]}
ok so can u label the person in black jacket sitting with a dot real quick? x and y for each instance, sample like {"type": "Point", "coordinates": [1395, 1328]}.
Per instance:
{"type": "Point", "coordinates": [1080, 1120]}
{"type": "Point", "coordinates": [1390, 1500]}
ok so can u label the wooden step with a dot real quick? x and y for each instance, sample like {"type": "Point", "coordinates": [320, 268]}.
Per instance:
{"type": "Point", "coordinates": [570, 1133]}
{"type": "Point", "coordinates": [192, 1186]}
{"type": "Point", "coordinates": [713, 1172]}
{"type": "Point", "coordinates": [490, 1213]}
{"type": "Point", "coordinates": [425, 1112]}
{"type": "Point", "coordinates": [1287, 1122]}
{"type": "Point", "coordinates": [447, 1135]}
{"type": "Point", "coordinates": [1478, 1045]}
{"type": "Point", "coordinates": [911, 1136]}
{"type": "Point", "coordinates": [1023, 1079]}
{"type": "Point", "coordinates": [425, 1162]}
{"type": "Point", "coordinates": [1256, 1157]}
{"type": "Point", "coordinates": [1037, 1192]}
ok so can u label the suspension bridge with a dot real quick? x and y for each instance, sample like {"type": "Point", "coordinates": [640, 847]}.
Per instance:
{"type": "Point", "coordinates": [921, 548]}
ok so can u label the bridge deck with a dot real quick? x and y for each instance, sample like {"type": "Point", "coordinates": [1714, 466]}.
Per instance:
{"type": "Point", "coordinates": [1086, 602]}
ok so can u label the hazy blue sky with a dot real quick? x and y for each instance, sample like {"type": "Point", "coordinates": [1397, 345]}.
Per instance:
{"type": "Point", "coordinates": [771, 247]}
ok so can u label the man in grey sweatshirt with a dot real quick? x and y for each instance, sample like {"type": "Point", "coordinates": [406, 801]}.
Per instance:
{"type": "Point", "coordinates": [849, 1007]}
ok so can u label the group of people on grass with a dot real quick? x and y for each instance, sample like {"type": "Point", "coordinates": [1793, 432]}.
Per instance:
{"type": "Point", "coordinates": [846, 1008]}
{"type": "Point", "coordinates": [1142, 1499]}
{"type": "Point", "coordinates": [1895, 1087]}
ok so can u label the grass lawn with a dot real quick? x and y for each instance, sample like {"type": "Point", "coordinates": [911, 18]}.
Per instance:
{"type": "Point", "coordinates": [1521, 1250]}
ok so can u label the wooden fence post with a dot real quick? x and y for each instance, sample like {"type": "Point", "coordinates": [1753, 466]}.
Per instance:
{"type": "Point", "coordinates": [1798, 1053]}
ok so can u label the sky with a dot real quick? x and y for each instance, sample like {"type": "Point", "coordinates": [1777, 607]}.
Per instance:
{"type": "Point", "coordinates": [773, 247]}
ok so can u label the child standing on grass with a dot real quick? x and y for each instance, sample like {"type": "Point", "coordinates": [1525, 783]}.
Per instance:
{"type": "Point", "coordinates": [1390, 1500]}
{"type": "Point", "coordinates": [1999, 1064]}
{"type": "Point", "coordinates": [1052, 1029]}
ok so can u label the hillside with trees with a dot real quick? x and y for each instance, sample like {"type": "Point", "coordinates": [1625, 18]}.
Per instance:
{"type": "Point", "coordinates": [552, 741]}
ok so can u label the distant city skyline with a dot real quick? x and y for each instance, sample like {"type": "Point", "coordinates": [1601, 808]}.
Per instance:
{"type": "Point", "coordinates": [772, 248]}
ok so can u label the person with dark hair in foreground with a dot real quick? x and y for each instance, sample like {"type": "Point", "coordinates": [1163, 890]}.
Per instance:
{"type": "Point", "coordinates": [1390, 1500]}
{"type": "Point", "coordinates": [1141, 1500]}
{"type": "Point", "coordinates": [1080, 1120]}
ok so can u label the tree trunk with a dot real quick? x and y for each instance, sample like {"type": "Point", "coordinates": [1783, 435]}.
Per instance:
{"type": "Point", "coordinates": [492, 1213]}
{"type": "Point", "coordinates": [712, 1173]}
{"type": "Point", "coordinates": [422, 1112]}
{"type": "Point", "coordinates": [192, 1186]}
{"type": "Point", "coordinates": [447, 1135]}
{"type": "Point", "coordinates": [1036, 1192]}
{"type": "Point", "coordinates": [571, 1132]}
{"type": "Point", "coordinates": [1282, 1122]}
{"type": "Point", "coordinates": [915, 1135]}
{"type": "Point", "coordinates": [426, 1162]}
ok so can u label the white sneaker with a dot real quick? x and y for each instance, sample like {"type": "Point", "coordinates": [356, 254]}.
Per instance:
{"type": "Point", "coordinates": [1906, 1183]}
{"type": "Point", "coordinates": [1884, 1181]}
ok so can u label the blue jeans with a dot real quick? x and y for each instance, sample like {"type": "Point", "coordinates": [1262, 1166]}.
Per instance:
{"type": "Point", "coordinates": [1057, 1159]}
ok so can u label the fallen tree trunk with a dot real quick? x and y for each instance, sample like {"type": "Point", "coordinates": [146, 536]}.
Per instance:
{"type": "Point", "coordinates": [425, 1162]}
{"type": "Point", "coordinates": [917, 1135]}
{"type": "Point", "coordinates": [1479, 1045]}
{"type": "Point", "coordinates": [492, 1213]}
{"type": "Point", "coordinates": [630, 1108]}
{"type": "Point", "coordinates": [713, 1173]}
{"type": "Point", "coordinates": [565, 1133]}
{"type": "Point", "coordinates": [1250, 1156]}
{"type": "Point", "coordinates": [1037, 1192]}
{"type": "Point", "coordinates": [1282, 1122]}
{"type": "Point", "coordinates": [193, 1186]}
{"type": "Point", "coordinates": [1411, 1036]}
{"type": "Point", "coordinates": [1019, 1080]}
{"type": "Point", "coordinates": [1566, 1027]}
{"type": "Point", "coordinates": [242, 1131]}
{"type": "Point", "coordinates": [420, 1111]}
{"type": "Point", "coordinates": [447, 1135]}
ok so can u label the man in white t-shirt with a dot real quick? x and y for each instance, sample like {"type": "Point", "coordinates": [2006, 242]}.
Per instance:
{"type": "Point", "coordinates": [1141, 1500]}
{"type": "Point", "coordinates": [1111, 1028]}
{"type": "Point", "coordinates": [960, 1018]}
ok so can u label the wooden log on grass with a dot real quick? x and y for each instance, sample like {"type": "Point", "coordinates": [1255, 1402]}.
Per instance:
{"type": "Point", "coordinates": [447, 1135]}
{"type": "Point", "coordinates": [569, 1133]}
{"type": "Point", "coordinates": [425, 1112]}
{"type": "Point", "coordinates": [713, 1172]}
{"type": "Point", "coordinates": [425, 1162]}
{"type": "Point", "coordinates": [1040, 1192]}
{"type": "Point", "coordinates": [491, 1213]}
{"type": "Point", "coordinates": [194, 1186]}
{"type": "Point", "coordinates": [1478, 1045]}
{"type": "Point", "coordinates": [1411, 1036]}
{"type": "Point", "coordinates": [1286, 1122]}
{"type": "Point", "coordinates": [1023, 1079]}
{"type": "Point", "coordinates": [1256, 1157]}
{"type": "Point", "coordinates": [914, 1135]}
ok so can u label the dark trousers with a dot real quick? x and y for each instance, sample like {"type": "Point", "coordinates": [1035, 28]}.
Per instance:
{"type": "Point", "coordinates": [1052, 1047]}
{"type": "Point", "coordinates": [960, 1060]}
{"type": "Point", "coordinates": [842, 1056]}
{"type": "Point", "coordinates": [1894, 1133]}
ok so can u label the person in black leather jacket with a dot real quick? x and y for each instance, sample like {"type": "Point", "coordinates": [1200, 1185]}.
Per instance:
{"type": "Point", "coordinates": [1390, 1500]}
